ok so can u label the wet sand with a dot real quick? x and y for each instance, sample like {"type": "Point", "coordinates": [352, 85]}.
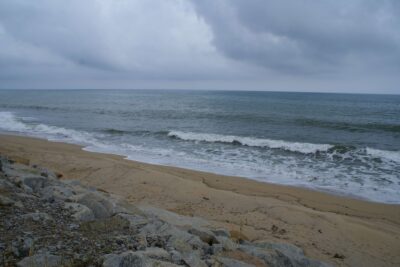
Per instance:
{"type": "Point", "coordinates": [339, 230]}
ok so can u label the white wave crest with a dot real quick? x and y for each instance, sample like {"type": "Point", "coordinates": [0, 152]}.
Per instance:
{"type": "Point", "coordinates": [384, 154]}
{"type": "Point", "coordinates": [10, 122]}
{"type": "Point", "coordinates": [305, 148]}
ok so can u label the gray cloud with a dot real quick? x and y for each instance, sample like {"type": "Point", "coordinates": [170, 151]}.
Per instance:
{"type": "Point", "coordinates": [138, 38]}
{"type": "Point", "coordinates": [306, 36]}
{"type": "Point", "coordinates": [225, 44]}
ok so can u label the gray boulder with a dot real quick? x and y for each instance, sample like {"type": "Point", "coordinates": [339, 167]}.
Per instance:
{"type": "Point", "coordinates": [37, 216]}
{"type": "Point", "coordinates": [227, 262]}
{"type": "Point", "coordinates": [5, 201]}
{"type": "Point", "coordinates": [156, 253]}
{"type": "Point", "coordinates": [175, 219]}
{"type": "Point", "coordinates": [134, 220]}
{"type": "Point", "coordinates": [5, 185]}
{"type": "Point", "coordinates": [137, 259]}
{"type": "Point", "coordinates": [35, 183]}
{"type": "Point", "coordinates": [227, 243]}
{"type": "Point", "coordinates": [280, 255]}
{"type": "Point", "coordinates": [204, 235]}
{"type": "Point", "coordinates": [56, 192]}
{"type": "Point", "coordinates": [221, 232]}
{"type": "Point", "coordinates": [100, 206]}
{"type": "Point", "coordinates": [40, 260]}
{"type": "Point", "coordinates": [80, 212]}
{"type": "Point", "coordinates": [193, 259]}
{"type": "Point", "coordinates": [22, 246]}
{"type": "Point", "coordinates": [178, 239]}
{"type": "Point", "coordinates": [126, 259]}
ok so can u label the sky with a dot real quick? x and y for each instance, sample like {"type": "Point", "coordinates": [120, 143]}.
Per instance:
{"type": "Point", "coordinates": [350, 46]}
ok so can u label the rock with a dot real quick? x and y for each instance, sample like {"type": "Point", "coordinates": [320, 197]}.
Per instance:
{"type": "Point", "coordinates": [175, 219]}
{"type": "Point", "coordinates": [280, 255]}
{"type": "Point", "coordinates": [271, 258]}
{"type": "Point", "coordinates": [216, 249]}
{"type": "Point", "coordinates": [73, 226]}
{"type": "Point", "coordinates": [56, 192]}
{"type": "Point", "coordinates": [142, 241]}
{"type": "Point", "coordinates": [227, 262]}
{"type": "Point", "coordinates": [37, 216]}
{"type": "Point", "coordinates": [163, 264]}
{"type": "Point", "coordinates": [134, 220]}
{"type": "Point", "coordinates": [193, 259]}
{"type": "Point", "coordinates": [5, 185]}
{"type": "Point", "coordinates": [205, 236]}
{"type": "Point", "coordinates": [156, 253]}
{"type": "Point", "coordinates": [72, 182]}
{"type": "Point", "coordinates": [5, 201]}
{"type": "Point", "coordinates": [35, 183]}
{"type": "Point", "coordinates": [176, 257]}
{"type": "Point", "coordinates": [80, 212]}
{"type": "Point", "coordinates": [227, 243]}
{"type": "Point", "coordinates": [178, 239]}
{"type": "Point", "coordinates": [287, 249]}
{"type": "Point", "coordinates": [238, 236]}
{"type": "Point", "coordinates": [136, 259]}
{"type": "Point", "coordinates": [222, 232]}
{"type": "Point", "coordinates": [100, 206]}
{"type": "Point", "coordinates": [126, 259]}
{"type": "Point", "coordinates": [45, 259]}
{"type": "Point", "coordinates": [26, 196]}
{"type": "Point", "coordinates": [48, 174]}
{"type": "Point", "coordinates": [22, 246]}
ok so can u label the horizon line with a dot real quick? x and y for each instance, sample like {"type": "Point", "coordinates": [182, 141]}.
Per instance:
{"type": "Point", "coordinates": [203, 90]}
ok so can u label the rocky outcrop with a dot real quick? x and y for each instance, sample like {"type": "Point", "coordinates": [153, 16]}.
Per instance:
{"type": "Point", "coordinates": [45, 221]}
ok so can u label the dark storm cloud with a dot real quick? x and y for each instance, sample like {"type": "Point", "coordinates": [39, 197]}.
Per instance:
{"type": "Point", "coordinates": [211, 44]}
{"type": "Point", "coordinates": [305, 35]}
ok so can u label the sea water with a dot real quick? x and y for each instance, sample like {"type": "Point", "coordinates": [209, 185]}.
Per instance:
{"type": "Point", "coordinates": [346, 144]}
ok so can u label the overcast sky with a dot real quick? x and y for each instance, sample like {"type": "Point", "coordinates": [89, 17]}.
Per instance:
{"type": "Point", "coordinates": [281, 45]}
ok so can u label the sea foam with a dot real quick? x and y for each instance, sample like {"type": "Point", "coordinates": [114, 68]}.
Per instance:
{"type": "Point", "coordinates": [384, 154]}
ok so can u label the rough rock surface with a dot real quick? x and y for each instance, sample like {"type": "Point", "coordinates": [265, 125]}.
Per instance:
{"type": "Point", "coordinates": [45, 221]}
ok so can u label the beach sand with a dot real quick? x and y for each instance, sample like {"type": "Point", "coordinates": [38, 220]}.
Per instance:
{"type": "Point", "coordinates": [339, 230]}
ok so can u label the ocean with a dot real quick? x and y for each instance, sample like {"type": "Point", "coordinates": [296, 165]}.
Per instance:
{"type": "Point", "coordinates": [346, 144]}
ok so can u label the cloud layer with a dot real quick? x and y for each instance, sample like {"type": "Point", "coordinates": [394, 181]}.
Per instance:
{"type": "Point", "coordinates": [306, 36]}
{"type": "Point", "coordinates": [351, 45]}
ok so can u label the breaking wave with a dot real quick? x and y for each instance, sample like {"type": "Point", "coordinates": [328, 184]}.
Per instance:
{"type": "Point", "coordinates": [305, 148]}
{"type": "Point", "coordinates": [10, 122]}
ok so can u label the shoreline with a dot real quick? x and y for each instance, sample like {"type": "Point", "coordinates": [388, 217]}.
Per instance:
{"type": "Point", "coordinates": [300, 186]}
{"type": "Point", "coordinates": [365, 233]}
{"type": "Point", "coordinates": [322, 190]}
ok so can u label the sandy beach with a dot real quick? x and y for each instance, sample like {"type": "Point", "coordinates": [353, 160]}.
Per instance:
{"type": "Point", "coordinates": [338, 230]}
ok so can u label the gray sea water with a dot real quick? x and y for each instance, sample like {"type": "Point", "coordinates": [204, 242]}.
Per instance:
{"type": "Point", "coordinates": [343, 143]}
